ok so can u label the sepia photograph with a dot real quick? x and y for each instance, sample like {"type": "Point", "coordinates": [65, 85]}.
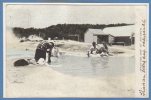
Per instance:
{"type": "Point", "coordinates": [75, 50]}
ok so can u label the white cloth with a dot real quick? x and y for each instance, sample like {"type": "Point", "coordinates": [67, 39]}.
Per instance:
{"type": "Point", "coordinates": [41, 61]}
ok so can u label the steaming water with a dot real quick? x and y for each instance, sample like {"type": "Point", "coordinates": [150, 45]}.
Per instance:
{"type": "Point", "coordinates": [84, 66]}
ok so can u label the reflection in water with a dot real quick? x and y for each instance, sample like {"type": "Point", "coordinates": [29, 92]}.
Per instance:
{"type": "Point", "coordinates": [94, 66]}
{"type": "Point", "coordinates": [104, 62]}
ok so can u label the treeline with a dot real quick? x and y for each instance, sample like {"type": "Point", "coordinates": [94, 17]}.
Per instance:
{"type": "Point", "coordinates": [61, 31]}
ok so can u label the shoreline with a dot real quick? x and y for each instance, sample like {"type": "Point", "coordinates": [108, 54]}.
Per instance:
{"type": "Point", "coordinates": [75, 48]}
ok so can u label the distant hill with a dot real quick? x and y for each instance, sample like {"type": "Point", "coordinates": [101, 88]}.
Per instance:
{"type": "Point", "coordinates": [61, 31]}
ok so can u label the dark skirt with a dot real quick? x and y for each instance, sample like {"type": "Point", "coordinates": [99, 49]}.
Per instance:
{"type": "Point", "coordinates": [40, 54]}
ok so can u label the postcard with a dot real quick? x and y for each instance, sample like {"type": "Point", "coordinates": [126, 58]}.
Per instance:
{"type": "Point", "coordinates": [85, 50]}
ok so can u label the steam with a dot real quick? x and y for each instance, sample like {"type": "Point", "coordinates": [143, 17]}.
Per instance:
{"type": "Point", "coordinates": [10, 38]}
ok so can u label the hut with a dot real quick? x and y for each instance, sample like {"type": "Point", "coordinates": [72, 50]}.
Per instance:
{"type": "Point", "coordinates": [122, 35]}
{"type": "Point", "coordinates": [98, 36]}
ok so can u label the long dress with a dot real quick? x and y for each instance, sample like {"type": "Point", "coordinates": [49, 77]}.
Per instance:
{"type": "Point", "coordinates": [42, 49]}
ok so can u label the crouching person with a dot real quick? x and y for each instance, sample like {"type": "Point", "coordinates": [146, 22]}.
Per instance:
{"type": "Point", "coordinates": [93, 49]}
{"type": "Point", "coordinates": [103, 49]}
{"type": "Point", "coordinates": [41, 50]}
{"type": "Point", "coordinates": [55, 52]}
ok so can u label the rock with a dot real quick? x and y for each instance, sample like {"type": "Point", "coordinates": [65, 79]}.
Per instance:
{"type": "Point", "coordinates": [21, 62]}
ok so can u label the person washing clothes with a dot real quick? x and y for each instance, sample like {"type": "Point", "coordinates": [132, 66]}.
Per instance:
{"type": "Point", "coordinates": [55, 51]}
{"type": "Point", "coordinates": [41, 50]}
{"type": "Point", "coordinates": [103, 49]}
{"type": "Point", "coordinates": [93, 48]}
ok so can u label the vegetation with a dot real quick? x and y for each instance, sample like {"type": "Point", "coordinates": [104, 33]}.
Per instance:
{"type": "Point", "coordinates": [61, 31]}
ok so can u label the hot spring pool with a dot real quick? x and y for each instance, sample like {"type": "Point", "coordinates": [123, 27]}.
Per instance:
{"type": "Point", "coordinates": [96, 66]}
{"type": "Point", "coordinates": [84, 66]}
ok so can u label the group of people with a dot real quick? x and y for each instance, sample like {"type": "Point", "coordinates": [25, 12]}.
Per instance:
{"type": "Point", "coordinates": [44, 50]}
{"type": "Point", "coordinates": [101, 49]}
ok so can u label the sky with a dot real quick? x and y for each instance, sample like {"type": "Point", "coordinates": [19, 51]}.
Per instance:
{"type": "Point", "coordinates": [40, 16]}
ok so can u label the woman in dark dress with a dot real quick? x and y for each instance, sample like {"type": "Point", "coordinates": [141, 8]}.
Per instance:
{"type": "Point", "coordinates": [43, 48]}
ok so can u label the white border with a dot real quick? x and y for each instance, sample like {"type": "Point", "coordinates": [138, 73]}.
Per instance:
{"type": "Point", "coordinates": [82, 4]}
{"type": "Point", "coordinates": [148, 35]}
{"type": "Point", "coordinates": [71, 4]}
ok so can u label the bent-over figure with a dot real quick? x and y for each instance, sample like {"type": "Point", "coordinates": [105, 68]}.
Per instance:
{"type": "Point", "coordinates": [43, 48]}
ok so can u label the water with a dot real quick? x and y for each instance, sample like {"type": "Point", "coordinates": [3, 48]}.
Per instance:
{"type": "Point", "coordinates": [84, 66]}
{"type": "Point", "coordinates": [96, 66]}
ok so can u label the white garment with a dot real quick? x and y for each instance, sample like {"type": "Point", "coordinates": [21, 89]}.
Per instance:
{"type": "Point", "coordinates": [41, 61]}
